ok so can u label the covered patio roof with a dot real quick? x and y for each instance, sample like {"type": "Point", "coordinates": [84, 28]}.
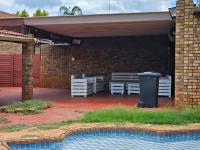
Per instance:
{"type": "Point", "coordinates": [133, 24]}
{"type": "Point", "coordinates": [104, 25]}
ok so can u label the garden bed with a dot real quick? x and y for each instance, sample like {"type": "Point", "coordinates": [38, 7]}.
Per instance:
{"type": "Point", "coordinates": [26, 107]}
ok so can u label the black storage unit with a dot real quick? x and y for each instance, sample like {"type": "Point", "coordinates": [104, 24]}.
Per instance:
{"type": "Point", "coordinates": [149, 83]}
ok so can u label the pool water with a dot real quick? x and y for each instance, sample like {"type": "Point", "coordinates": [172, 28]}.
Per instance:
{"type": "Point", "coordinates": [118, 140]}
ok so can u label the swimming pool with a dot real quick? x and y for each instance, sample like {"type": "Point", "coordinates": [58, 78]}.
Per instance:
{"type": "Point", "coordinates": [118, 140]}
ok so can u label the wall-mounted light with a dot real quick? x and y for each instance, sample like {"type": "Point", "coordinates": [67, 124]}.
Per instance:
{"type": "Point", "coordinates": [73, 59]}
{"type": "Point", "coordinates": [76, 41]}
{"type": "Point", "coordinates": [172, 12]}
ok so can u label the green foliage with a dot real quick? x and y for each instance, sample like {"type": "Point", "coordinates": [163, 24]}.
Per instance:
{"type": "Point", "coordinates": [3, 120]}
{"type": "Point", "coordinates": [27, 107]}
{"type": "Point", "coordinates": [39, 13]}
{"type": "Point", "coordinates": [117, 115]}
{"type": "Point", "coordinates": [121, 116]}
{"type": "Point", "coordinates": [22, 13]}
{"type": "Point", "coordinates": [68, 11]}
{"type": "Point", "coordinates": [191, 115]}
{"type": "Point", "coordinates": [13, 128]}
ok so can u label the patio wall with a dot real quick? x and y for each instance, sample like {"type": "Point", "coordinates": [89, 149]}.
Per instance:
{"type": "Point", "coordinates": [14, 48]}
{"type": "Point", "coordinates": [11, 65]}
{"type": "Point", "coordinates": [187, 85]}
{"type": "Point", "coordinates": [102, 56]}
{"type": "Point", "coordinates": [10, 48]}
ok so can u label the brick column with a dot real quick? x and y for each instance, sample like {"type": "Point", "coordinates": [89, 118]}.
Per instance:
{"type": "Point", "coordinates": [187, 83]}
{"type": "Point", "coordinates": [27, 71]}
{"type": "Point", "coordinates": [179, 61]}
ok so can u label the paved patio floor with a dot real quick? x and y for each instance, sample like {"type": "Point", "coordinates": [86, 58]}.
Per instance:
{"type": "Point", "coordinates": [65, 107]}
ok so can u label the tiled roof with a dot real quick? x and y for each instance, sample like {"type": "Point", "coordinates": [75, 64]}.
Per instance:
{"type": "Point", "coordinates": [7, 15]}
{"type": "Point", "coordinates": [8, 32]}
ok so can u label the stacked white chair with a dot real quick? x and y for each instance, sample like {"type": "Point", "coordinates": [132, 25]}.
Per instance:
{"type": "Point", "coordinates": [85, 86]}
{"type": "Point", "coordinates": [131, 81]}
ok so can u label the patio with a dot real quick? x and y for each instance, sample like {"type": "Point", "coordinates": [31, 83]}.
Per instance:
{"type": "Point", "coordinates": [92, 35]}
{"type": "Point", "coordinates": [101, 44]}
{"type": "Point", "coordinates": [65, 107]}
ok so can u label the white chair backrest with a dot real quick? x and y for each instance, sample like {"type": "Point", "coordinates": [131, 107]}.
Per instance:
{"type": "Point", "coordinates": [122, 76]}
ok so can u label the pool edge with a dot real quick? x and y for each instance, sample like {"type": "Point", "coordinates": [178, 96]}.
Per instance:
{"type": "Point", "coordinates": [76, 128]}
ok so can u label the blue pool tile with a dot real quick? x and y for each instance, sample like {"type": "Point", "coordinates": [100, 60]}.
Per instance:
{"type": "Point", "coordinates": [118, 140]}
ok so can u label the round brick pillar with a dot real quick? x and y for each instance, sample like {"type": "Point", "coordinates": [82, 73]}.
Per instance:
{"type": "Point", "coordinates": [27, 71]}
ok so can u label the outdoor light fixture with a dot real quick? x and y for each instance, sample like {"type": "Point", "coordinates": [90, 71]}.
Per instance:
{"type": "Point", "coordinates": [76, 41]}
{"type": "Point", "coordinates": [172, 12]}
{"type": "Point", "coordinates": [72, 59]}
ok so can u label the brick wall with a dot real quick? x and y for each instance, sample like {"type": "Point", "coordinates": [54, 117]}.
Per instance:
{"type": "Point", "coordinates": [187, 81]}
{"type": "Point", "coordinates": [10, 48]}
{"type": "Point", "coordinates": [54, 66]}
{"type": "Point", "coordinates": [102, 56]}
{"type": "Point", "coordinates": [14, 48]}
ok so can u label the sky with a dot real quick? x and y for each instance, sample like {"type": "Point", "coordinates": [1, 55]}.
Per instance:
{"type": "Point", "coordinates": [88, 6]}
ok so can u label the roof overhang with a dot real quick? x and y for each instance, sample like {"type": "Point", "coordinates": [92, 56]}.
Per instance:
{"type": "Point", "coordinates": [6, 15]}
{"type": "Point", "coordinates": [106, 25]}
{"type": "Point", "coordinates": [132, 24]}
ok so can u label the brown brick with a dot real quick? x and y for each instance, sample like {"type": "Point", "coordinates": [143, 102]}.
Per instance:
{"type": "Point", "coordinates": [27, 71]}
{"type": "Point", "coordinates": [187, 48]}
{"type": "Point", "coordinates": [102, 56]}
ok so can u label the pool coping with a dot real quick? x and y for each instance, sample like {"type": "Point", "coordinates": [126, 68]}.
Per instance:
{"type": "Point", "coordinates": [59, 134]}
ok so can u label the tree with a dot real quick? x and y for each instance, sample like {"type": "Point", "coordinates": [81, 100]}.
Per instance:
{"type": "Point", "coordinates": [22, 13]}
{"type": "Point", "coordinates": [40, 12]}
{"type": "Point", "coordinates": [68, 11]}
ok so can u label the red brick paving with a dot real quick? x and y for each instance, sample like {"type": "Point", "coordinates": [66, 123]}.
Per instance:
{"type": "Point", "coordinates": [65, 107]}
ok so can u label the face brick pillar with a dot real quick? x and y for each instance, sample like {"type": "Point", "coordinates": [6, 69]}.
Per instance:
{"type": "Point", "coordinates": [187, 71]}
{"type": "Point", "coordinates": [27, 71]}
